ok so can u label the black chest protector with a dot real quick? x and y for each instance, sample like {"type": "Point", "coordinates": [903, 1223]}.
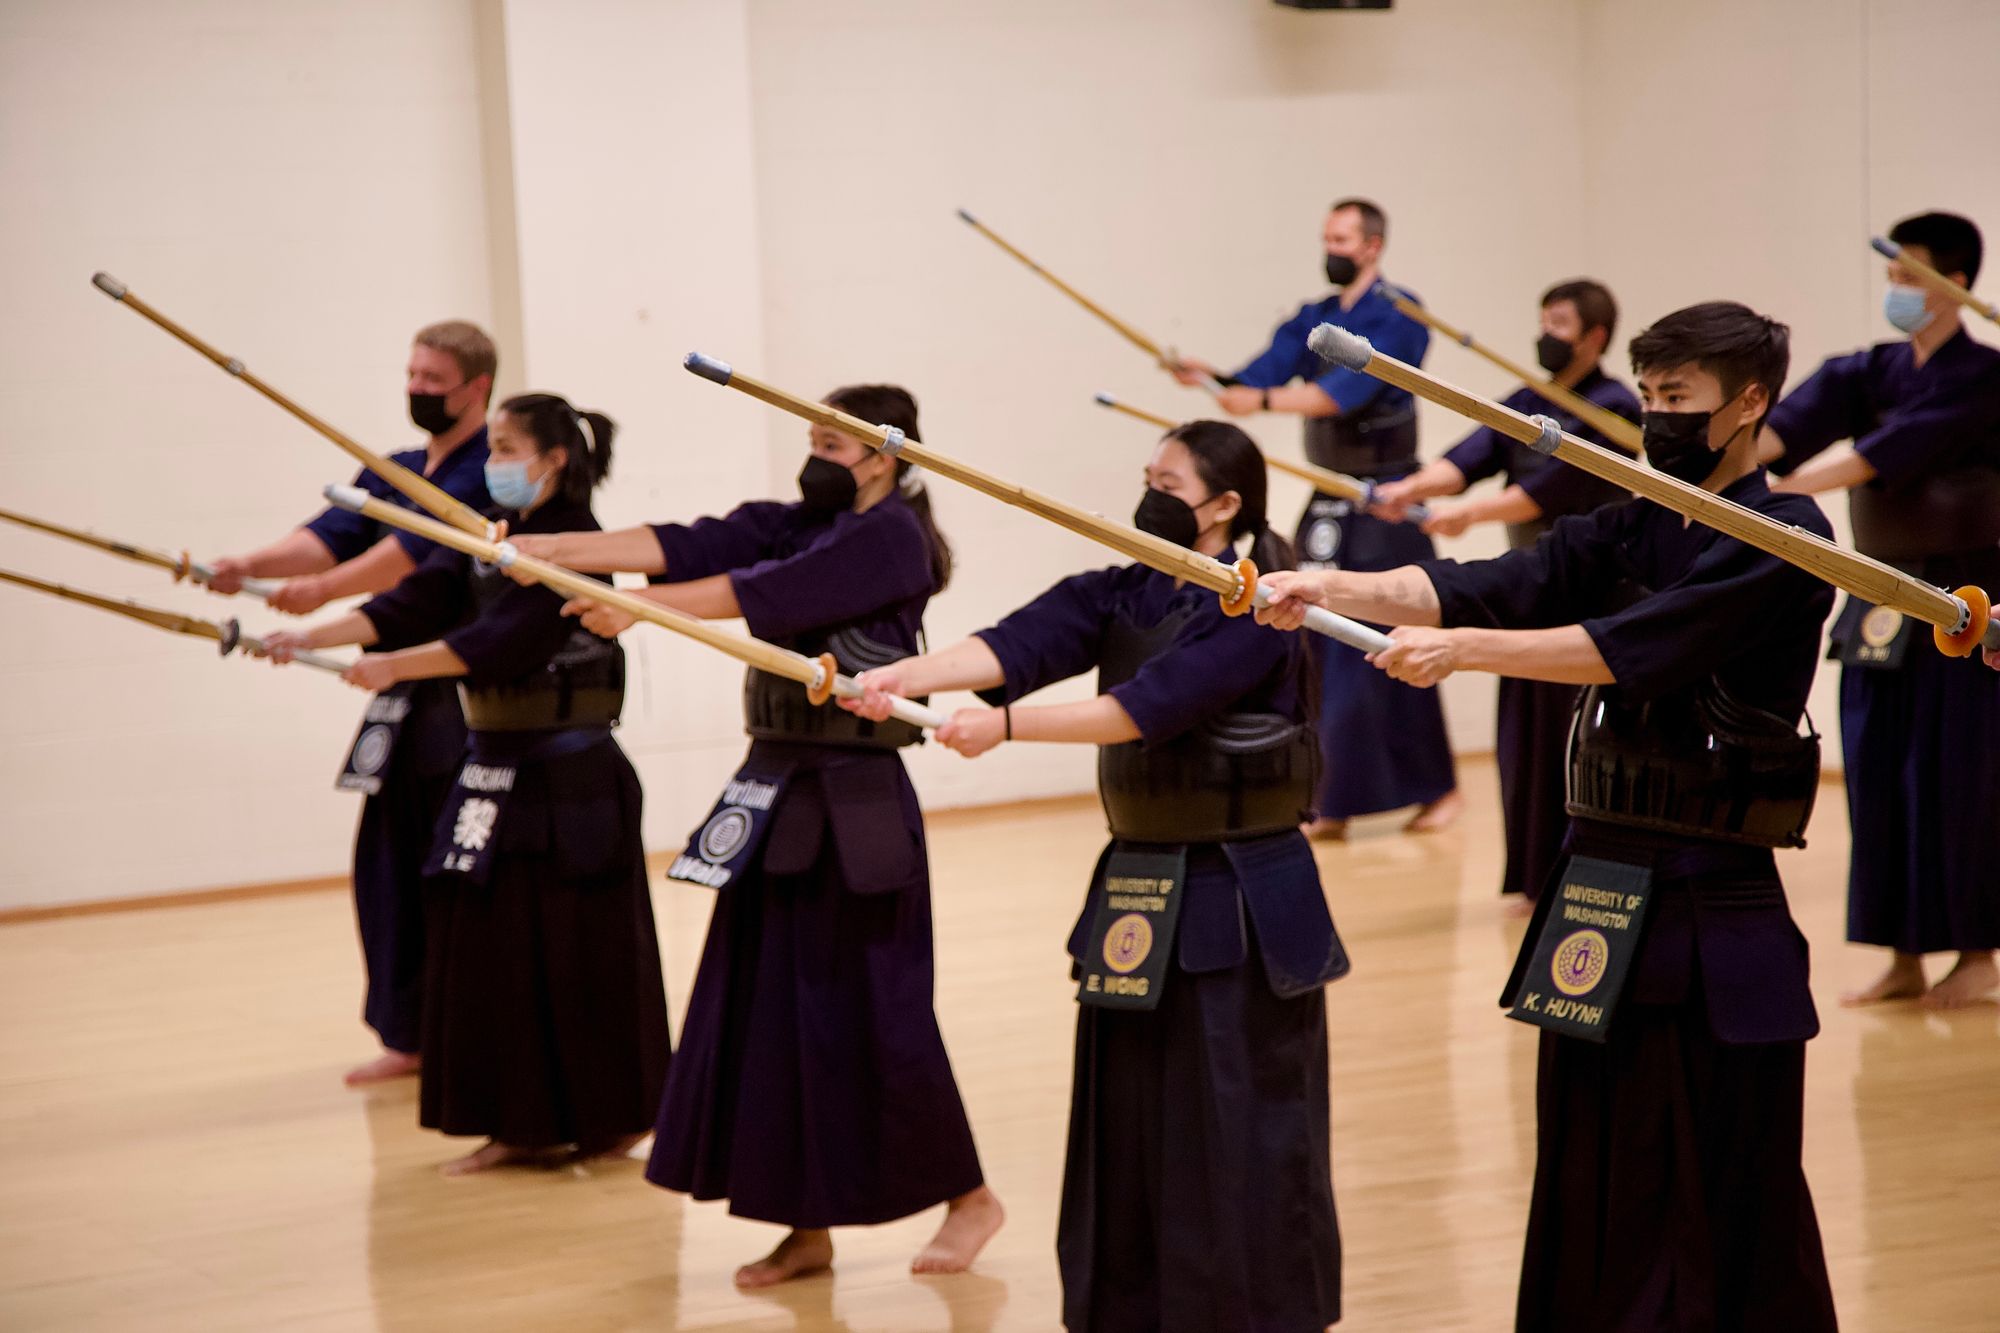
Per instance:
{"type": "Point", "coordinates": [583, 685]}
{"type": "Point", "coordinates": [1378, 441]}
{"type": "Point", "coordinates": [1235, 776]}
{"type": "Point", "coordinates": [1939, 514]}
{"type": "Point", "coordinates": [777, 709]}
{"type": "Point", "coordinates": [1696, 762]}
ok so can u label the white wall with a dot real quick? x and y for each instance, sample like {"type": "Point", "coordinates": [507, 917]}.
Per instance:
{"type": "Point", "coordinates": [1172, 159]}
{"type": "Point", "coordinates": [637, 224]}
{"type": "Point", "coordinates": [301, 185]}
{"type": "Point", "coordinates": [613, 183]}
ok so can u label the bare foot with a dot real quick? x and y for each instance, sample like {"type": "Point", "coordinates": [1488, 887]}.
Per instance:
{"type": "Point", "coordinates": [1331, 830]}
{"type": "Point", "coordinates": [495, 1153]}
{"type": "Point", "coordinates": [800, 1254]}
{"type": "Point", "coordinates": [969, 1222]}
{"type": "Point", "coordinates": [1903, 981]}
{"type": "Point", "coordinates": [1439, 814]}
{"type": "Point", "coordinates": [390, 1064]}
{"type": "Point", "coordinates": [1972, 979]}
{"type": "Point", "coordinates": [613, 1151]}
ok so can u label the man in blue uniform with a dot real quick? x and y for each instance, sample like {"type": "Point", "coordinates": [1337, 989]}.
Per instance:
{"type": "Point", "coordinates": [412, 736]}
{"type": "Point", "coordinates": [1920, 731]}
{"type": "Point", "coordinates": [1384, 744]}
{"type": "Point", "coordinates": [1532, 721]}
{"type": "Point", "coordinates": [1666, 970]}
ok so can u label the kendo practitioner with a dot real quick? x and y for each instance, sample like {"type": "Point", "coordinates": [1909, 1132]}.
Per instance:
{"type": "Point", "coordinates": [545, 1022]}
{"type": "Point", "coordinates": [1662, 961]}
{"type": "Point", "coordinates": [412, 737]}
{"type": "Point", "coordinates": [812, 1088]}
{"type": "Point", "coordinates": [1920, 731]}
{"type": "Point", "coordinates": [1384, 744]}
{"type": "Point", "coordinates": [1533, 717]}
{"type": "Point", "coordinates": [1198, 1190]}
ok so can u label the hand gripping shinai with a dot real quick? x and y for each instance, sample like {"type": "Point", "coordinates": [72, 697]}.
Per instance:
{"type": "Point", "coordinates": [1933, 279]}
{"type": "Point", "coordinates": [1236, 584]}
{"type": "Point", "coordinates": [1961, 622]}
{"type": "Point", "coordinates": [1118, 326]}
{"type": "Point", "coordinates": [180, 565]}
{"type": "Point", "coordinates": [228, 635]}
{"type": "Point", "coordinates": [1607, 423]}
{"type": "Point", "coordinates": [1352, 489]}
{"type": "Point", "coordinates": [419, 489]}
{"type": "Point", "coordinates": [820, 675]}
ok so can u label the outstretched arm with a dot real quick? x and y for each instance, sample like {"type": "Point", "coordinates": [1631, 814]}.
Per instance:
{"type": "Point", "coordinates": [627, 550]}
{"type": "Point", "coordinates": [1838, 468]}
{"type": "Point", "coordinates": [1512, 505]}
{"type": "Point", "coordinates": [1566, 655]}
{"type": "Point", "coordinates": [1397, 597]}
{"type": "Point", "coordinates": [968, 664]}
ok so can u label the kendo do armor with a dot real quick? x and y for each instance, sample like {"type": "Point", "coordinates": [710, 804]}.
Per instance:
{"type": "Point", "coordinates": [1695, 762]}
{"type": "Point", "coordinates": [1234, 777]}
{"type": "Point", "coordinates": [777, 709]}
{"type": "Point", "coordinates": [583, 685]}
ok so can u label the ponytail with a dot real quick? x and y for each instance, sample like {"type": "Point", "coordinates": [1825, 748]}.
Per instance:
{"type": "Point", "coordinates": [585, 436]}
{"type": "Point", "coordinates": [890, 405]}
{"type": "Point", "coordinates": [1227, 459]}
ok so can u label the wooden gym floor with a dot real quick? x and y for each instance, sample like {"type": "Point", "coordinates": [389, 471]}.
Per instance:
{"type": "Point", "coordinates": [177, 1151]}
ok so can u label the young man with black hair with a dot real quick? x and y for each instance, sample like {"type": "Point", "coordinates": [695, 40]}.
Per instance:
{"type": "Point", "coordinates": [1920, 732]}
{"type": "Point", "coordinates": [1532, 721]}
{"type": "Point", "coordinates": [1663, 963]}
{"type": "Point", "coordinates": [1383, 745]}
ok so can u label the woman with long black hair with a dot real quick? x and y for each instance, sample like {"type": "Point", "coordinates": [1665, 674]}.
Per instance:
{"type": "Point", "coordinates": [1198, 1193]}
{"type": "Point", "coordinates": [812, 1087]}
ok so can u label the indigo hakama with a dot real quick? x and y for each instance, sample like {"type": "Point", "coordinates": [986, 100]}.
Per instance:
{"type": "Point", "coordinates": [545, 1022]}
{"type": "Point", "coordinates": [406, 786]}
{"type": "Point", "coordinates": [812, 1088]}
{"type": "Point", "coordinates": [1668, 1190]}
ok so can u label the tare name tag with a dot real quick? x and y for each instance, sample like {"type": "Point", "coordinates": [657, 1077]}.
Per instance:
{"type": "Point", "coordinates": [468, 832]}
{"type": "Point", "coordinates": [728, 841]}
{"type": "Point", "coordinates": [368, 757]}
{"type": "Point", "coordinates": [1588, 935]}
{"type": "Point", "coordinates": [1131, 938]}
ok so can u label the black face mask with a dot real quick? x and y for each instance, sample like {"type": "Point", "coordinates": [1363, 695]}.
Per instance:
{"type": "Point", "coordinates": [1554, 354]}
{"type": "Point", "coordinates": [826, 487]}
{"type": "Point", "coordinates": [1677, 444]}
{"type": "Point", "coordinates": [1340, 270]}
{"type": "Point", "coordinates": [430, 414]}
{"type": "Point", "coordinates": [1166, 516]}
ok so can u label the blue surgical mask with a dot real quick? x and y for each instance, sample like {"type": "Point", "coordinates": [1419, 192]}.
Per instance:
{"type": "Point", "coordinates": [510, 486]}
{"type": "Point", "coordinates": [1904, 307]}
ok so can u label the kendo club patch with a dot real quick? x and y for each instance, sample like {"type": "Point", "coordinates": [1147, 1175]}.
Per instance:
{"type": "Point", "coordinates": [372, 750]}
{"type": "Point", "coordinates": [1579, 963]}
{"type": "Point", "coordinates": [1127, 943]}
{"type": "Point", "coordinates": [723, 835]}
{"type": "Point", "coordinates": [1322, 539]}
{"type": "Point", "coordinates": [723, 848]}
{"type": "Point", "coordinates": [1880, 627]}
